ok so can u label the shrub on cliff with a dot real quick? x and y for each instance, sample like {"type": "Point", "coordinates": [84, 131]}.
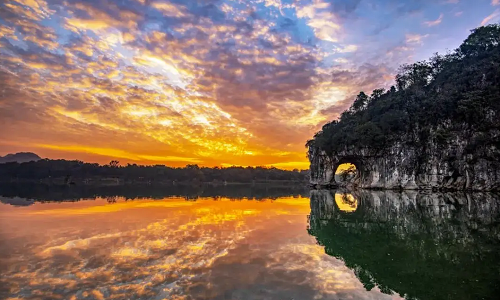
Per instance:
{"type": "Point", "coordinates": [461, 88]}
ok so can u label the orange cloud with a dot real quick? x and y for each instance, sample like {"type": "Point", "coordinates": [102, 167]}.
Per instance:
{"type": "Point", "coordinates": [204, 91]}
{"type": "Point", "coordinates": [170, 9]}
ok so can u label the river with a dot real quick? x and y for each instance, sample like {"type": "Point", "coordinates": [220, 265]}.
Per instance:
{"type": "Point", "coordinates": [267, 244]}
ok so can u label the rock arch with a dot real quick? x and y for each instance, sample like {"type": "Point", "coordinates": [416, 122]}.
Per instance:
{"type": "Point", "coordinates": [323, 168]}
{"type": "Point", "coordinates": [350, 159]}
{"type": "Point", "coordinates": [375, 170]}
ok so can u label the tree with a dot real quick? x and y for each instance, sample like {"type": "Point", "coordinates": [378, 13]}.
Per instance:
{"type": "Point", "coordinates": [481, 40]}
{"type": "Point", "coordinates": [377, 93]}
{"type": "Point", "coordinates": [78, 171]}
{"type": "Point", "coordinates": [360, 102]}
{"type": "Point", "coordinates": [461, 88]}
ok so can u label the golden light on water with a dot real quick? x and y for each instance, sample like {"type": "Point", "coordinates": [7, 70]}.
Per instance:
{"type": "Point", "coordinates": [169, 248]}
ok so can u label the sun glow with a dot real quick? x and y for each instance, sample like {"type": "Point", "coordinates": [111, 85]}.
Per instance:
{"type": "Point", "coordinates": [344, 167]}
{"type": "Point", "coordinates": [187, 83]}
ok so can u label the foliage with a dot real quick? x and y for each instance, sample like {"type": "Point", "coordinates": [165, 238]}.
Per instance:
{"type": "Point", "coordinates": [411, 250]}
{"type": "Point", "coordinates": [47, 193]}
{"type": "Point", "coordinates": [78, 170]}
{"type": "Point", "coordinates": [462, 87]}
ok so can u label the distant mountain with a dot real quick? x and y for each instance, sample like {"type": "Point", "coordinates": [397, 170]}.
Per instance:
{"type": "Point", "coordinates": [19, 157]}
{"type": "Point", "coordinates": [17, 201]}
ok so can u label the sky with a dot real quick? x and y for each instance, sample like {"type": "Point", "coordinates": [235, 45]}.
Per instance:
{"type": "Point", "coordinates": [207, 82]}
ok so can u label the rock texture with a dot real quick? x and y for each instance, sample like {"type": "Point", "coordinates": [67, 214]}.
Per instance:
{"type": "Point", "coordinates": [408, 212]}
{"type": "Point", "coordinates": [394, 240]}
{"type": "Point", "coordinates": [461, 162]}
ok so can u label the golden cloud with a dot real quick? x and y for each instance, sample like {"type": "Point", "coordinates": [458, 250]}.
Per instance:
{"type": "Point", "coordinates": [203, 91]}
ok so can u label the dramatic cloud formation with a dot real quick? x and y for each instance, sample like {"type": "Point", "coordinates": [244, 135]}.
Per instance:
{"type": "Point", "coordinates": [206, 82]}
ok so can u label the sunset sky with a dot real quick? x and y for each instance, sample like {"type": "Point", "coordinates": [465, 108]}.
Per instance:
{"type": "Point", "coordinates": [207, 82]}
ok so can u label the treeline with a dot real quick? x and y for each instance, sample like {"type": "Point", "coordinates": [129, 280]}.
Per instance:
{"type": "Point", "coordinates": [448, 94]}
{"type": "Point", "coordinates": [68, 172]}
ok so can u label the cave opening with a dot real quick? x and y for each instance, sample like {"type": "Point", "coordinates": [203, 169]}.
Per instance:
{"type": "Point", "coordinates": [346, 173]}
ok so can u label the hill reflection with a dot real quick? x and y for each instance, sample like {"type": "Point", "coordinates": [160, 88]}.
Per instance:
{"type": "Point", "coordinates": [423, 246]}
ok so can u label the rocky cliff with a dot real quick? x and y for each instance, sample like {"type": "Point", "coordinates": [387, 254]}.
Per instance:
{"type": "Point", "coordinates": [438, 127]}
{"type": "Point", "coordinates": [455, 216]}
{"type": "Point", "coordinates": [413, 163]}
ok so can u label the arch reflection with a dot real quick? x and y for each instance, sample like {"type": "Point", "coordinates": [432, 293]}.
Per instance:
{"type": "Point", "coordinates": [346, 202]}
{"type": "Point", "coordinates": [415, 244]}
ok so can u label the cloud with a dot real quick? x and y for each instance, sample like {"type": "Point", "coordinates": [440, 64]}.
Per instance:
{"type": "Point", "coordinates": [416, 38]}
{"type": "Point", "coordinates": [495, 2]}
{"type": "Point", "coordinates": [170, 9]}
{"type": "Point", "coordinates": [86, 16]}
{"type": "Point", "coordinates": [435, 22]}
{"type": "Point", "coordinates": [211, 82]}
{"type": "Point", "coordinates": [348, 48]}
{"type": "Point", "coordinates": [345, 8]}
{"type": "Point", "coordinates": [491, 18]}
{"type": "Point", "coordinates": [162, 245]}
{"type": "Point", "coordinates": [34, 10]}
{"type": "Point", "coordinates": [323, 21]}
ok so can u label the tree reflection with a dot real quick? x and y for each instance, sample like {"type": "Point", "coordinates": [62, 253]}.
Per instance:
{"type": "Point", "coordinates": [45, 193]}
{"type": "Point", "coordinates": [112, 199]}
{"type": "Point", "coordinates": [423, 246]}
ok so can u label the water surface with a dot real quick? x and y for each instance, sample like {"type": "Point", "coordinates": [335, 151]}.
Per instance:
{"type": "Point", "coordinates": [331, 245]}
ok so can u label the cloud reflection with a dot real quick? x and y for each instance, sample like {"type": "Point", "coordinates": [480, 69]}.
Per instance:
{"type": "Point", "coordinates": [171, 249]}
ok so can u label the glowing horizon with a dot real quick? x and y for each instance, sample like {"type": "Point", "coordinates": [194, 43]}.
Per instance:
{"type": "Point", "coordinates": [226, 83]}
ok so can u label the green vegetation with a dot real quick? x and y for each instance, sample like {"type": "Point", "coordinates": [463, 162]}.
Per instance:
{"type": "Point", "coordinates": [451, 93]}
{"type": "Point", "coordinates": [414, 267]}
{"type": "Point", "coordinates": [414, 252]}
{"type": "Point", "coordinates": [68, 172]}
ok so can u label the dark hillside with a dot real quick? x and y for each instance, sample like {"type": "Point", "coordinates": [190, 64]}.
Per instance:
{"type": "Point", "coordinates": [461, 88]}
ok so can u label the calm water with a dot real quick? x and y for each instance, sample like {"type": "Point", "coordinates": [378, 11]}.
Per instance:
{"type": "Point", "coordinates": [289, 245]}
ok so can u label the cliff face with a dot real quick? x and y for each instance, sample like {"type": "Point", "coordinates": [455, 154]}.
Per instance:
{"type": "Point", "coordinates": [434, 215]}
{"type": "Point", "coordinates": [438, 127]}
{"type": "Point", "coordinates": [457, 163]}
